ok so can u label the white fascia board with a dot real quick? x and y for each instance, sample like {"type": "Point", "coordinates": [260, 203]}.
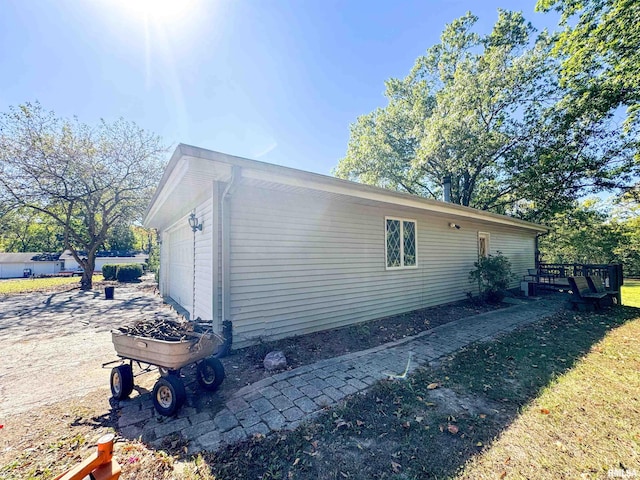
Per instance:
{"type": "Point", "coordinates": [187, 157]}
{"type": "Point", "coordinates": [177, 174]}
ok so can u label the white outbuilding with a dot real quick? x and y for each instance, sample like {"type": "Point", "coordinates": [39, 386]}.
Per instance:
{"type": "Point", "coordinates": [15, 265]}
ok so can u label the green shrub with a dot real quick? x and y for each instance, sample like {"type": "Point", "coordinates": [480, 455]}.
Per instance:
{"type": "Point", "coordinates": [110, 271]}
{"type": "Point", "coordinates": [493, 274]}
{"type": "Point", "coordinates": [129, 272]}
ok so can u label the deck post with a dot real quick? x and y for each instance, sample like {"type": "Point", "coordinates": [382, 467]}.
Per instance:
{"type": "Point", "coordinates": [616, 280]}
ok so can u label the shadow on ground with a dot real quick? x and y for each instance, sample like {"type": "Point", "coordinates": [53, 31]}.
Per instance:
{"type": "Point", "coordinates": [31, 315]}
{"type": "Point", "coordinates": [430, 425]}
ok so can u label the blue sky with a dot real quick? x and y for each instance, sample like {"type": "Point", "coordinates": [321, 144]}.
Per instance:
{"type": "Point", "coordinates": [278, 81]}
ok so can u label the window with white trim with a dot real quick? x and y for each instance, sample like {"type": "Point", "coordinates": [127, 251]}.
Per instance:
{"type": "Point", "coordinates": [401, 243]}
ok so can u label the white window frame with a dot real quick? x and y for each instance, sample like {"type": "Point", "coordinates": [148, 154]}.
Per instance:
{"type": "Point", "coordinates": [487, 237]}
{"type": "Point", "coordinates": [415, 230]}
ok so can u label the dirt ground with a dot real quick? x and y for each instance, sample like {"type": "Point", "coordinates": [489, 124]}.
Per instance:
{"type": "Point", "coordinates": [72, 406]}
{"type": "Point", "coordinates": [245, 366]}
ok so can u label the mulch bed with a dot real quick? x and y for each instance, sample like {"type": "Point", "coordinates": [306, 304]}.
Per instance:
{"type": "Point", "coordinates": [244, 366]}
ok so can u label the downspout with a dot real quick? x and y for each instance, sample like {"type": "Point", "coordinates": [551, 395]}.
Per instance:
{"type": "Point", "coordinates": [227, 327]}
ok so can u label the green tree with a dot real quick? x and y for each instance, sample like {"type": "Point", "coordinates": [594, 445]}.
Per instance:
{"type": "Point", "coordinates": [85, 179]}
{"type": "Point", "coordinates": [24, 230]}
{"type": "Point", "coordinates": [600, 51]}
{"type": "Point", "coordinates": [120, 238]}
{"type": "Point", "coordinates": [484, 111]}
{"type": "Point", "coordinates": [583, 234]}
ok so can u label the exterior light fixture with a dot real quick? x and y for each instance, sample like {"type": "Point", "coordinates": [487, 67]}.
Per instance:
{"type": "Point", "coordinates": [454, 225]}
{"type": "Point", "coordinates": [193, 223]}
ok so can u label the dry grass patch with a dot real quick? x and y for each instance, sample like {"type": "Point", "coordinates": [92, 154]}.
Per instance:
{"type": "Point", "coordinates": [27, 285]}
{"type": "Point", "coordinates": [584, 425]}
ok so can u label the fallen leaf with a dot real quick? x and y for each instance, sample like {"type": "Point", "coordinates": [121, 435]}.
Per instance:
{"type": "Point", "coordinates": [479, 444]}
{"type": "Point", "coordinates": [359, 423]}
{"type": "Point", "coordinates": [419, 419]}
{"type": "Point", "coordinates": [544, 411]}
{"type": "Point", "coordinates": [396, 467]}
{"type": "Point", "coordinates": [503, 474]}
{"type": "Point", "coordinates": [482, 415]}
{"type": "Point", "coordinates": [315, 444]}
{"type": "Point", "coordinates": [296, 461]}
{"type": "Point", "coordinates": [452, 429]}
{"type": "Point", "coordinates": [406, 424]}
{"type": "Point", "coordinates": [344, 475]}
{"type": "Point", "coordinates": [430, 404]}
{"type": "Point", "coordinates": [432, 386]}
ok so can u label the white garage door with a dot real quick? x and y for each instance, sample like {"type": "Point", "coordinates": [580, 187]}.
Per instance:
{"type": "Point", "coordinates": [180, 272]}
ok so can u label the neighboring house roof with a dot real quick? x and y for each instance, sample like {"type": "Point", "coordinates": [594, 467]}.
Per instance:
{"type": "Point", "coordinates": [27, 257]}
{"type": "Point", "coordinates": [66, 255]}
{"type": "Point", "coordinates": [188, 176]}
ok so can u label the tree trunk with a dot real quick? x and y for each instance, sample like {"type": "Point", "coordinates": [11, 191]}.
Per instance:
{"type": "Point", "coordinates": [88, 265]}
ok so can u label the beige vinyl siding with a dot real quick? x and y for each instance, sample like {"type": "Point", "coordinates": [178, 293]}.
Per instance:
{"type": "Point", "coordinates": [519, 248]}
{"type": "Point", "coordinates": [303, 263]}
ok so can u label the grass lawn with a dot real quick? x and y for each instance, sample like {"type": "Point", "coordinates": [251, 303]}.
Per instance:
{"type": "Point", "coordinates": [26, 285]}
{"type": "Point", "coordinates": [558, 399]}
{"type": "Point", "coordinates": [631, 294]}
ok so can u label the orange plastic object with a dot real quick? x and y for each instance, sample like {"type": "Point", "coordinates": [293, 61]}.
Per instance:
{"type": "Point", "coordinates": [100, 465]}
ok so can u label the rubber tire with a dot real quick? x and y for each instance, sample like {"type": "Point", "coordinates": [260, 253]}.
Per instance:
{"type": "Point", "coordinates": [168, 395]}
{"type": "Point", "coordinates": [121, 382]}
{"type": "Point", "coordinates": [206, 369]}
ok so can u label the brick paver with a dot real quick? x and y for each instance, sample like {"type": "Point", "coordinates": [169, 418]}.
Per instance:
{"type": "Point", "coordinates": [285, 399]}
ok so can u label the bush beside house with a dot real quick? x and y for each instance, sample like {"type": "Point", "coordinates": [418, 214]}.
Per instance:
{"type": "Point", "coordinates": [123, 272]}
{"type": "Point", "coordinates": [493, 274]}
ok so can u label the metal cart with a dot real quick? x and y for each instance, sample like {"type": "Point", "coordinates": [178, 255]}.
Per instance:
{"type": "Point", "coordinates": [169, 357]}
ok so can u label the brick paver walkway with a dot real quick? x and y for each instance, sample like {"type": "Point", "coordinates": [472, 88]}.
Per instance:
{"type": "Point", "coordinates": [284, 400]}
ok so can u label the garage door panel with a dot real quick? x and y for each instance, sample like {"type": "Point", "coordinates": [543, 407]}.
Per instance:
{"type": "Point", "coordinates": [181, 266]}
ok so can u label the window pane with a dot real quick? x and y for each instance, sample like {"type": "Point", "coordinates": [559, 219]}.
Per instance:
{"type": "Point", "coordinates": [393, 243]}
{"type": "Point", "coordinates": [409, 244]}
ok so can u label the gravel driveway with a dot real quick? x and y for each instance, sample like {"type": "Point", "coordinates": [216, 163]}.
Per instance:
{"type": "Point", "coordinates": [54, 344]}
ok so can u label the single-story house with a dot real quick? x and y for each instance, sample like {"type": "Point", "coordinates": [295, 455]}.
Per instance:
{"type": "Point", "coordinates": [281, 252]}
{"type": "Point", "coordinates": [14, 265]}
{"type": "Point", "coordinates": [103, 258]}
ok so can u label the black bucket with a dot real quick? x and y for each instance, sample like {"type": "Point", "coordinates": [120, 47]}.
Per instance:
{"type": "Point", "coordinates": [108, 292]}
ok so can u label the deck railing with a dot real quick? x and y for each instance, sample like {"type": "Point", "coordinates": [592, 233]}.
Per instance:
{"type": "Point", "coordinates": [611, 274]}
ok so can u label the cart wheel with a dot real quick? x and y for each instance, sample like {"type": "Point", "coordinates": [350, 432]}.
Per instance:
{"type": "Point", "coordinates": [210, 373]}
{"type": "Point", "coordinates": [121, 381]}
{"type": "Point", "coordinates": [168, 395]}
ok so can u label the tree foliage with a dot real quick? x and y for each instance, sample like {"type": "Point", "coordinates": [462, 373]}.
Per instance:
{"type": "Point", "coordinates": [25, 230]}
{"type": "Point", "coordinates": [600, 51]}
{"type": "Point", "coordinates": [84, 179]}
{"type": "Point", "coordinates": [593, 232]}
{"type": "Point", "coordinates": [487, 111]}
